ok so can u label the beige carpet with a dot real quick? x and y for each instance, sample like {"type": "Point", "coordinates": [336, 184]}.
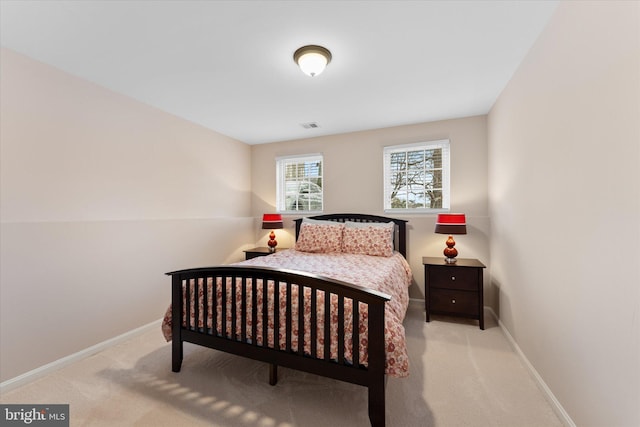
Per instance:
{"type": "Point", "coordinates": [460, 376]}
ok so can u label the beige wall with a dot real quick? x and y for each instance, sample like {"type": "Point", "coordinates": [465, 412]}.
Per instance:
{"type": "Point", "coordinates": [353, 183]}
{"type": "Point", "coordinates": [564, 162]}
{"type": "Point", "coordinates": [102, 195]}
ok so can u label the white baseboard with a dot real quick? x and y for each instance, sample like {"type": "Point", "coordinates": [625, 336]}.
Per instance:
{"type": "Point", "coordinates": [34, 374]}
{"type": "Point", "coordinates": [551, 398]}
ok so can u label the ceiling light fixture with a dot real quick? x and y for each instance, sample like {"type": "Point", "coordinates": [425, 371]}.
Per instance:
{"type": "Point", "coordinates": [312, 59]}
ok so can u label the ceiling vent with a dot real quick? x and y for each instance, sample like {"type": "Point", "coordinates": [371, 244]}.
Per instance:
{"type": "Point", "coordinates": [310, 125]}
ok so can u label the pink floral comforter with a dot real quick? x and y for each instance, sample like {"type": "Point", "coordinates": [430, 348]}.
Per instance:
{"type": "Point", "coordinates": [390, 275]}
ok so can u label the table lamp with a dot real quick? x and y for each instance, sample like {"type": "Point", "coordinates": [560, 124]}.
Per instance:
{"type": "Point", "coordinates": [272, 222]}
{"type": "Point", "coordinates": [451, 223]}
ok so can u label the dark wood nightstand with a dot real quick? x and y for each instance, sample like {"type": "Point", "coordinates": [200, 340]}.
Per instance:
{"type": "Point", "coordinates": [256, 252]}
{"type": "Point", "coordinates": [454, 289]}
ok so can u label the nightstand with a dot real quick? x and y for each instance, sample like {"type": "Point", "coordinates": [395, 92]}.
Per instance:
{"type": "Point", "coordinates": [454, 289]}
{"type": "Point", "coordinates": [256, 252]}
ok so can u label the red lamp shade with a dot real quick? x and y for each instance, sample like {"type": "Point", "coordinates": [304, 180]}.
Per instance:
{"type": "Point", "coordinates": [455, 223]}
{"type": "Point", "coordinates": [272, 222]}
{"type": "Point", "coordinates": [451, 223]}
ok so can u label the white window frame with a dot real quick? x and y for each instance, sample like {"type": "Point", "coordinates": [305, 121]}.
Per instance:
{"type": "Point", "coordinates": [446, 174]}
{"type": "Point", "coordinates": [281, 181]}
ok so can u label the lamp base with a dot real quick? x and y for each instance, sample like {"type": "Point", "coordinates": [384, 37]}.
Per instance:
{"type": "Point", "coordinates": [450, 252]}
{"type": "Point", "coordinates": [272, 243]}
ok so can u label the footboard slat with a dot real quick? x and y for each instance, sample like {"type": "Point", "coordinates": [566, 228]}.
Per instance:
{"type": "Point", "coordinates": [340, 330]}
{"type": "Point", "coordinates": [276, 315]}
{"type": "Point", "coordinates": [188, 304]}
{"type": "Point", "coordinates": [234, 309]}
{"type": "Point", "coordinates": [314, 323]}
{"type": "Point", "coordinates": [243, 310]}
{"type": "Point", "coordinates": [214, 306]}
{"type": "Point", "coordinates": [356, 333]}
{"type": "Point", "coordinates": [289, 325]}
{"type": "Point", "coordinates": [300, 320]}
{"type": "Point", "coordinates": [265, 311]}
{"type": "Point", "coordinates": [196, 307]}
{"type": "Point", "coordinates": [327, 327]}
{"type": "Point", "coordinates": [205, 305]}
{"type": "Point", "coordinates": [223, 316]}
{"type": "Point", "coordinates": [254, 310]}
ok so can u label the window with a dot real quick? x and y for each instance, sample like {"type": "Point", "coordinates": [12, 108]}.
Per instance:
{"type": "Point", "coordinates": [416, 176]}
{"type": "Point", "coordinates": [299, 183]}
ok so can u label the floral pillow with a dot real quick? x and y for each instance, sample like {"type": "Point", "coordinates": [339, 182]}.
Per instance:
{"type": "Point", "coordinates": [320, 238]}
{"type": "Point", "coordinates": [368, 239]}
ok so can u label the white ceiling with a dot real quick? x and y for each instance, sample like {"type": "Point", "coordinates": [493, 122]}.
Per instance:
{"type": "Point", "coordinates": [228, 65]}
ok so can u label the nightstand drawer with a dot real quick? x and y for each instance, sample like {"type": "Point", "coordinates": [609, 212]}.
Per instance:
{"type": "Point", "coordinates": [455, 302]}
{"type": "Point", "coordinates": [454, 278]}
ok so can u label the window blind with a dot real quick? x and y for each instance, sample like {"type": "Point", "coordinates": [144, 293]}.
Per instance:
{"type": "Point", "coordinates": [299, 186]}
{"type": "Point", "coordinates": [417, 177]}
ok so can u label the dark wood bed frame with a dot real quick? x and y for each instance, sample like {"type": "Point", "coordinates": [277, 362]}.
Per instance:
{"type": "Point", "coordinates": [371, 376]}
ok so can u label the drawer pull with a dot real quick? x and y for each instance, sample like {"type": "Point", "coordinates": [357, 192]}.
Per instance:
{"type": "Point", "coordinates": [453, 278]}
{"type": "Point", "coordinates": [453, 301]}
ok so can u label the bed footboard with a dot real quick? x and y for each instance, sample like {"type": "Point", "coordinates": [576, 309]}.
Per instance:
{"type": "Point", "coordinates": [322, 326]}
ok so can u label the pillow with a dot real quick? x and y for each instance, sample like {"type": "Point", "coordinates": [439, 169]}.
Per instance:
{"type": "Point", "coordinates": [390, 226]}
{"type": "Point", "coordinates": [320, 238]}
{"type": "Point", "coordinates": [319, 221]}
{"type": "Point", "coordinates": [368, 238]}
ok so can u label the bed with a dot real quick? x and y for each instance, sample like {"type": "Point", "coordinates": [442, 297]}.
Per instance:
{"type": "Point", "coordinates": [349, 276]}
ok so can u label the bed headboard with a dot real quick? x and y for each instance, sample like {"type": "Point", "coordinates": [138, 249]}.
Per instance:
{"type": "Point", "coordinates": [400, 232]}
